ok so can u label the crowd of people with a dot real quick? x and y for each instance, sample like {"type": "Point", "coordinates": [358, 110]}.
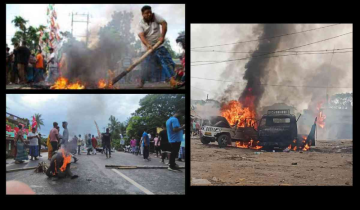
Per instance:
{"type": "Point", "coordinates": [26, 67]}
{"type": "Point", "coordinates": [169, 143]}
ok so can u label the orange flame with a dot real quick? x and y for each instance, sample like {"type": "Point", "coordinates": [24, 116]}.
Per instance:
{"type": "Point", "coordinates": [306, 147]}
{"type": "Point", "coordinates": [62, 83]}
{"type": "Point", "coordinates": [321, 116]}
{"type": "Point", "coordinates": [248, 145]}
{"type": "Point", "coordinates": [235, 112]}
{"type": "Point", "coordinates": [67, 160]}
{"type": "Point", "coordinates": [102, 83]}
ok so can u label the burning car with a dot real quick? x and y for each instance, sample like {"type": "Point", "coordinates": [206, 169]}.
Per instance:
{"type": "Point", "coordinates": [217, 128]}
{"type": "Point", "coordinates": [278, 128]}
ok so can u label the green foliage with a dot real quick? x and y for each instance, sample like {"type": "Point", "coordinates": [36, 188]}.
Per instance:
{"type": "Point", "coordinates": [341, 101]}
{"type": "Point", "coordinates": [154, 111]}
{"type": "Point", "coordinates": [39, 121]}
{"type": "Point", "coordinates": [30, 35]}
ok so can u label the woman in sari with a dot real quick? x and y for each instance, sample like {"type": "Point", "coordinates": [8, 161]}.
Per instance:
{"type": "Point", "coordinates": [21, 153]}
{"type": "Point", "coordinates": [50, 149]}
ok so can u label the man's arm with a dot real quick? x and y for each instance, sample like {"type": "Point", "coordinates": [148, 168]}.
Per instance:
{"type": "Point", "coordinates": [163, 31]}
{"type": "Point", "coordinates": [144, 41]}
{"type": "Point", "coordinates": [179, 128]}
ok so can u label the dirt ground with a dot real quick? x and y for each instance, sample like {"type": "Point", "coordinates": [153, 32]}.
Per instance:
{"type": "Point", "coordinates": [329, 163]}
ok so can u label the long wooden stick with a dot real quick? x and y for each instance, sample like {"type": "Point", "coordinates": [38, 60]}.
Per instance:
{"type": "Point", "coordinates": [20, 169]}
{"type": "Point", "coordinates": [117, 78]}
{"type": "Point", "coordinates": [139, 167]}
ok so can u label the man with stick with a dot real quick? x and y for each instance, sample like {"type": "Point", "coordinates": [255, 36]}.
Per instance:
{"type": "Point", "coordinates": [149, 33]}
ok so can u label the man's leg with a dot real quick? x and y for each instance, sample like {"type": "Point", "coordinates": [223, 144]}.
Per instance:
{"type": "Point", "coordinates": [174, 153]}
{"type": "Point", "coordinates": [109, 147]}
{"type": "Point", "coordinates": [168, 65]}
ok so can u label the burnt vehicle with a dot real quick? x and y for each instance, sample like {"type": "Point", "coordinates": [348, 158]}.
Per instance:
{"type": "Point", "coordinates": [217, 128]}
{"type": "Point", "coordinates": [278, 128]}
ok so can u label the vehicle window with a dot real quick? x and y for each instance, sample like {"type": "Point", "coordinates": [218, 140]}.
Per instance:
{"type": "Point", "coordinates": [263, 122]}
{"type": "Point", "coordinates": [281, 120]}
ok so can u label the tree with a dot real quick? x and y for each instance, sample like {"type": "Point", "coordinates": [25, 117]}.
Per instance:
{"type": "Point", "coordinates": [20, 22]}
{"type": "Point", "coordinates": [341, 101]}
{"type": "Point", "coordinates": [115, 38]}
{"type": "Point", "coordinates": [154, 111]}
{"type": "Point", "coordinates": [39, 121]}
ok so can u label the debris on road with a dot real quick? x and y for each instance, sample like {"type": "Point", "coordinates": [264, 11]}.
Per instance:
{"type": "Point", "coordinates": [294, 164]}
{"type": "Point", "coordinates": [41, 168]}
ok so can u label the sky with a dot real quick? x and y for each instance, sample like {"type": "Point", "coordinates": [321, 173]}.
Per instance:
{"type": "Point", "coordinates": [79, 110]}
{"type": "Point", "coordinates": [291, 70]}
{"type": "Point", "coordinates": [174, 14]}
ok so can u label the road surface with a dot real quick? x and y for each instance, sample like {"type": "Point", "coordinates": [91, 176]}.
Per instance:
{"type": "Point", "coordinates": [94, 178]}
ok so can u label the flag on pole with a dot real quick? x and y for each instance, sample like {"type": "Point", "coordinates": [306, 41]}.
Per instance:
{"type": "Point", "coordinates": [34, 123]}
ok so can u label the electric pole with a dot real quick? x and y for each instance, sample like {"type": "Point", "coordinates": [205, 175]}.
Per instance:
{"type": "Point", "coordinates": [87, 25]}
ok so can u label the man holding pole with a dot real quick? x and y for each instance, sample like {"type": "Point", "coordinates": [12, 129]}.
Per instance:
{"type": "Point", "coordinates": [149, 33]}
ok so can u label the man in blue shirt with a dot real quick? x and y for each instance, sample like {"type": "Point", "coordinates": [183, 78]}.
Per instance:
{"type": "Point", "coordinates": [175, 136]}
{"type": "Point", "coordinates": [146, 144]}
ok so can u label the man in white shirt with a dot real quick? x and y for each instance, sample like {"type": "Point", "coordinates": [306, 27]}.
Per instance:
{"type": "Point", "coordinates": [53, 73]}
{"type": "Point", "coordinates": [33, 137]}
{"type": "Point", "coordinates": [65, 138]}
{"type": "Point", "coordinates": [148, 30]}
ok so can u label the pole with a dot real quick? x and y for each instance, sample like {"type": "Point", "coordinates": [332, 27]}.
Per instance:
{"type": "Point", "coordinates": [87, 30]}
{"type": "Point", "coordinates": [72, 23]}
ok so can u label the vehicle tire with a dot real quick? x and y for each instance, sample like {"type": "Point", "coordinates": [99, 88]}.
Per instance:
{"type": "Point", "coordinates": [205, 140]}
{"type": "Point", "coordinates": [223, 140]}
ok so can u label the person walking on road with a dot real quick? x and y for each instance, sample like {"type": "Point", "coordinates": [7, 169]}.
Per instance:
{"type": "Point", "coordinates": [137, 146]}
{"type": "Point", "coordinates": [175, 136]}
{"type": "Point", "coordinates": [146, 145]}
{"type": "Point", "coordinates": [157, 146]}
{"type": "Point", "coordinates": [133, 144]}
{"type": "Point", "coordinates": [54, 137]}
{"type": "Point", "coordinates": [94, 144]}
{"type": "Point", "coordinates": [164, 145]}
{"type": "Point", "coordinates": [79, 142]}
{"type": "Point", "coordinates": [107, 142]}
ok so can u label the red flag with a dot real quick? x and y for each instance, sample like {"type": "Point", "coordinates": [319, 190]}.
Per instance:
{"type": "Point", "coordinates": [34, 123]}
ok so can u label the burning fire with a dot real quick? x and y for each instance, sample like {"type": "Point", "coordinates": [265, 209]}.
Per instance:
{"type": "Point", "coordinates": [235, 112]}
{"type": "Point", "coordinates": [321, 116]}
{"type": "Point", "coordinates": [248, 145]}
{"type": "Point", "coordinates": [306, 146]}
{"type": "Point", "coordinates": [102, 84]}
{"type": "Point", "coordinates": [63, 83]}
{"type": "Point", "coordinates": [67, 160]}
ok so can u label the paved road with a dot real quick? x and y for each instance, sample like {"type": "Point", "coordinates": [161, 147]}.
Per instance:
{"type": "Point", "coordinates": [94, 178]}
